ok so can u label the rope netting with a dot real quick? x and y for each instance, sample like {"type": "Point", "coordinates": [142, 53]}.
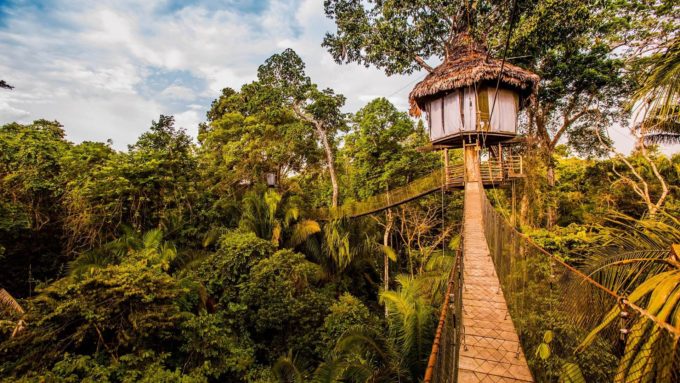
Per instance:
{"type": "Point", "coordinates": [555, 308]}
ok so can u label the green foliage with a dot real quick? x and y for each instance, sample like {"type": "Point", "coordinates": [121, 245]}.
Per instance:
{"type": "Point", "coordinates": [396, 36]}
{"type": "Point", "coordinates": [213, 349]}
{"type": "Point", "coordinates": [347, 313]}
{"type": "Point", "coordinates": [223, 272]}
{"type": "Point", "coordinates": [565, 242]}
{"type": "Point", "coordinates": [151, 186]}
{"type": "Point", "coordinates": [411, 320]}
{"type": "Point", "coordinates": [121, 308]}
{"type": "Point", "coordinates": [31, 188]}
{"type": "Point", "coordinates": [285, 307]}
{"type": "Point", "coordinates": [244, 139]}
{"type": "Point", "coordinates": [381, 150]}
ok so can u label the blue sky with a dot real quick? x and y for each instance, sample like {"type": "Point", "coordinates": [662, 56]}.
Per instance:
{"type": "Point", "coordinates": [106, 69]}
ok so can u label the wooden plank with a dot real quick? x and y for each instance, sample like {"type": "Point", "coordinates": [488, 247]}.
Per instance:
{"type": "Point", "coordinates": [490, 348]}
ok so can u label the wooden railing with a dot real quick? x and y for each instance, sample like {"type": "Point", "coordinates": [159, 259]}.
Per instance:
{"type": "Point", "coordinates": [492, 171]}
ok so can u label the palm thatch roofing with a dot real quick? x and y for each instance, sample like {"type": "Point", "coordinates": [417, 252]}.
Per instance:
{"type": "Point", "coordinates": [468, 63]}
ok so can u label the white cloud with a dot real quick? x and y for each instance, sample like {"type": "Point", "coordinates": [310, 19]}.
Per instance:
{"type": "Point", "coordinates": [178, 92]}
{"type": "Point", "coordinates": [88, 64]}
{"type": "Point", "coordinates": [106, 69]}
{"type": "Point", "coordinates": [189, 120]}
{"type": "Point", "coordinates": [11, 112]}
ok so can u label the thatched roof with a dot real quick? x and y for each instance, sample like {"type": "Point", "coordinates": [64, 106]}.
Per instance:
{"type": "Point", "coordinates": [468, 63]}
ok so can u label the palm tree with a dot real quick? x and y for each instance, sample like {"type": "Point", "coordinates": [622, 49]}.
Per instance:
{"type": "Point", "coordinates": [411, 319]}
{"type": "Point", "coordinates": [271, 217]}
{"type": "Point", "coordinates": [362, 355]}
{"type": "Point", "coordinates": [150, 247]}
{"type": "Point", "coordinates": [637, 263]}
{"type": "Point", "coordinates": [660, 95]}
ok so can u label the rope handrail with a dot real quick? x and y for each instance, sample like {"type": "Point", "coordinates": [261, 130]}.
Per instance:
{"type": "Point", "coordinates": [415, 189]}
{"type": "Point", "coordinates": [453, 288]}
{"type": "Point", "coordinates": [675, 331]}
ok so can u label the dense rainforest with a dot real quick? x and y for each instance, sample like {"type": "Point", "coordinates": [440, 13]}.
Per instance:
{"type": "Point", "coordinates": [203, 260]}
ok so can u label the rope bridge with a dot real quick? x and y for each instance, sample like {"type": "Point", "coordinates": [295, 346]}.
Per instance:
{"type": "Point", "coordinates": [452, 176]}
{"type": "Point", "coordinates": [553, 308]}
{"type": "Point", "coordinates": [414, 190]}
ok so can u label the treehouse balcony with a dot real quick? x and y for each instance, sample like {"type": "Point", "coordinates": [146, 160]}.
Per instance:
{"type": "Point", "coordinates": [493, 172]}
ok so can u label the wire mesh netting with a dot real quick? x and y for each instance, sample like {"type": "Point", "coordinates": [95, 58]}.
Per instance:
{"type": "Point", "coordinates": [571, 328]}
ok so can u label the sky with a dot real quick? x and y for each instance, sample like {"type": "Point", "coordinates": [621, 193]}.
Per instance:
{"type": "Point", "coordinates": [106, 69]}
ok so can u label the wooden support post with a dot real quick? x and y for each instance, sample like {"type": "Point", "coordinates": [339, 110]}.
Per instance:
{"type": "Point", "coordinates": [471, 158]}
{"type": "Point", "coordinates": [513, 219]}
{"type": "Point", "coordinates": [446, 166]}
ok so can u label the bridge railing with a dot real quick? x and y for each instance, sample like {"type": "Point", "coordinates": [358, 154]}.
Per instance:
{"type": "Point", "coordinates": [413, 190]}
{"type": "Point", "coordinates": [443, 361]}
{"type": "Point", "coordinates": [555, 307]}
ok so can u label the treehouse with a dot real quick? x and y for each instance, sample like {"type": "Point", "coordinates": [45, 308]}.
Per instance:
{"type": "Point", "coordinates": [460, 101]}
{"type": "Point", "coordinates": [472, 101]}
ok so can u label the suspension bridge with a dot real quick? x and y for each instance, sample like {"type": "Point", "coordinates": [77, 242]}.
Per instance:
{"type": "Point", "coordinates": [513, 312]}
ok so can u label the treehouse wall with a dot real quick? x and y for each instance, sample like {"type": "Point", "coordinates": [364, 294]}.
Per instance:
{"type": "Point", "coordinates": [468, 110]}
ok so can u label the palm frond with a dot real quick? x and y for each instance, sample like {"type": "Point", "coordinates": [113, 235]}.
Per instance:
{"type": "Point", "coordinates": [661, 88]}
{"type": "Point", "coordinates": [91, 260]}
{"type": "Point", "coordinates": [8, 304]}
{"type": "Point", "coordinates": [213, 235]}
{"type": "Point", "coordinates": [187, 259]}
{"type": "Point", "coordinates": [332, 371]}
{"type": "Point", "coordinates": [662, 138]}
{"type": "Point", "coordinates": [303, 230]}
{"type": "Point", "coordinates": [287, 371]}
{"type": "Point", "coordinates": [571, 373]}
{"type": "Point", "coordinates": [152, 239]}
{"type": "Point", "coordinates": [410, 315]}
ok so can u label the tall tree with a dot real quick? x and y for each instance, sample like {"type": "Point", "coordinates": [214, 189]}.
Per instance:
{"type": "Point", "coordinates": [399, 36]}
{"type": "Point", "coordinates": [284, 74]}
{"type": "Point", "coordinates": [381, 155]}
{"type": "Point", "coordinates": [150, 186]}
{"type": "Point", "coordinates": [581, 85]}
{"type": "Point", "coordinates": [247, 136]}
{"type": "Point", "coordinates": [31, 188]}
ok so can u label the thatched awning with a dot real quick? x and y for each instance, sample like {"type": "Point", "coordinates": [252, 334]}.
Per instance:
{"type": "Point", "coordinates": [469, 64]}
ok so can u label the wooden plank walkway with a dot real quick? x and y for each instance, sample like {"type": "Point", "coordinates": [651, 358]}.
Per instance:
{"type": "Point", "coordinates": [490, 350]}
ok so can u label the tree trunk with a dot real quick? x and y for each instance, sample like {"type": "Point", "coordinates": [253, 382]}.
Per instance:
{"type": "Point", "coordinates": [524, 209]}
{"type": "Point", "coordinates": [323, 136]}
{"type": "Point", "coordinates": [386, 242]}
{"type": "Point", "coordinates": [550, 177]}
{"type": "Point", "coordinates": [331, 163]}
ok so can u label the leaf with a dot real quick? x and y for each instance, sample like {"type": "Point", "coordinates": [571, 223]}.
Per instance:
{"type": "Point", "coordinates": [391, 254]}
{"type": "Point", "coordinates": [303, 230]}
{"type": "Point", "coordinates": [571, 373]}
{"type": "Point", "coordinates": [548, 336]}
{"type": "Point", "coordinates": [543, 351]}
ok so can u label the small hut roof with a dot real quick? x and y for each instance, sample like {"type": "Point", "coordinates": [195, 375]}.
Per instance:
{"type": "Point", "coordinates": [468, 63]}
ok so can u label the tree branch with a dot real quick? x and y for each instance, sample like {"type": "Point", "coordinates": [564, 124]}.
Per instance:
{"type": "Point", "coordinates": [569, 120]}
{"type": "Point", "coordinates": [422, 63]}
